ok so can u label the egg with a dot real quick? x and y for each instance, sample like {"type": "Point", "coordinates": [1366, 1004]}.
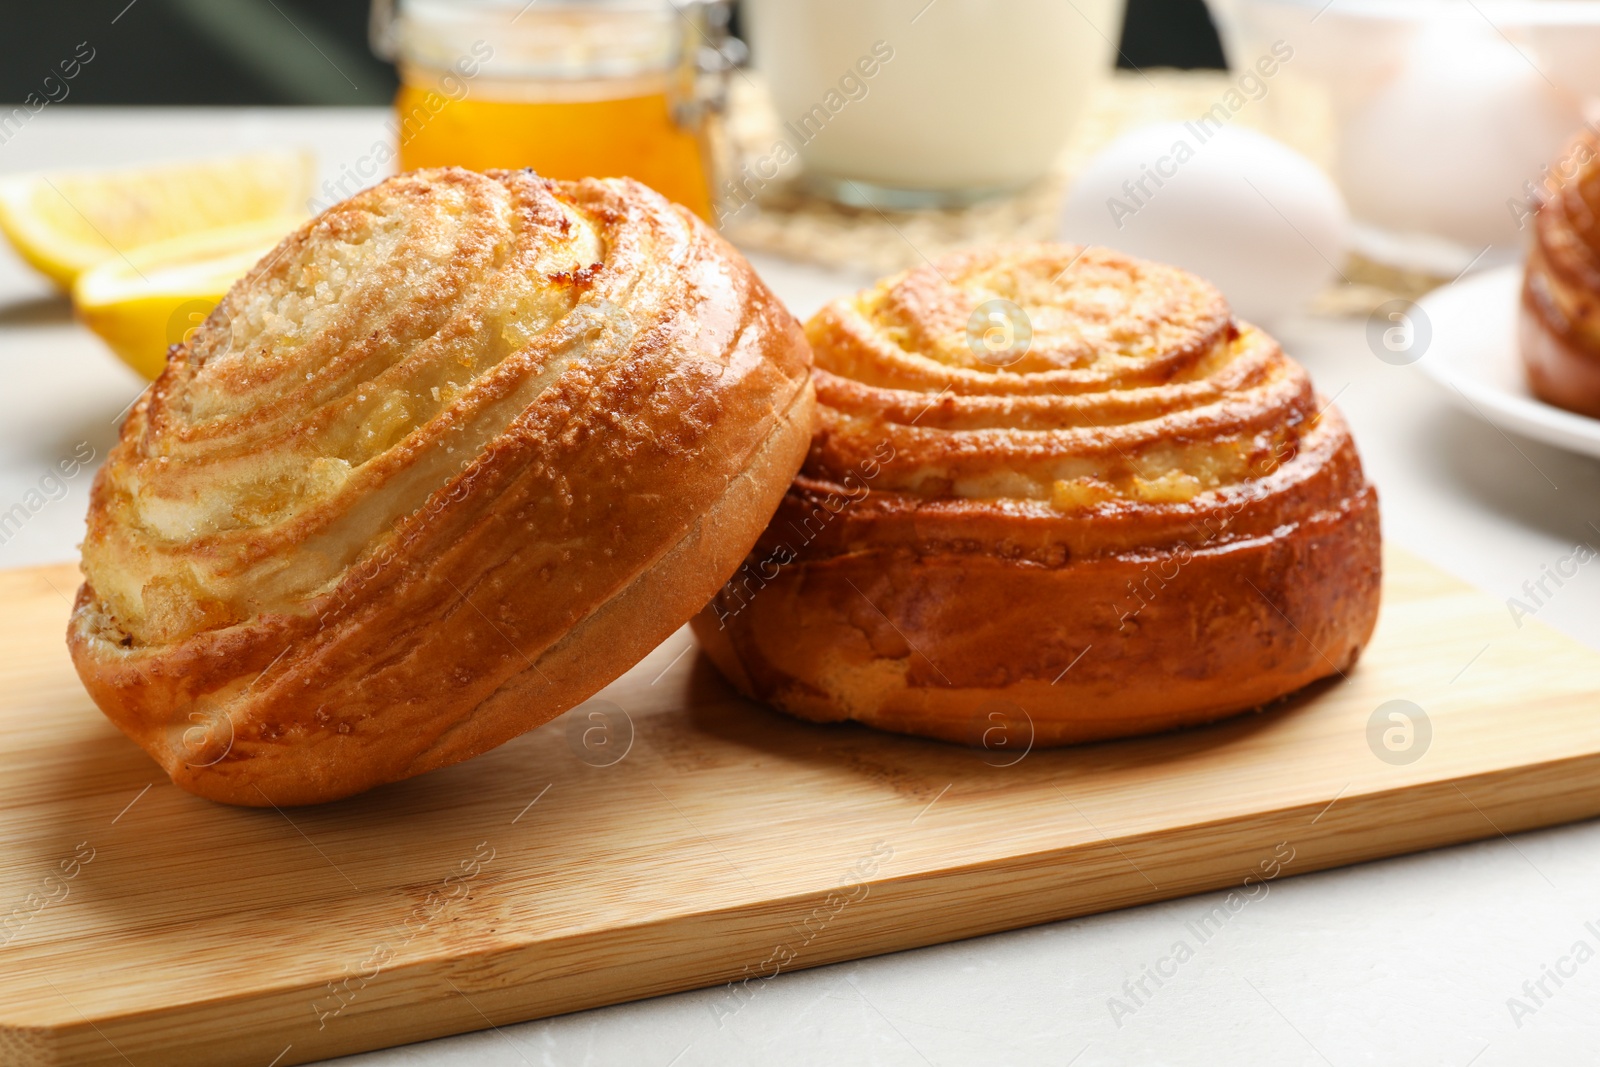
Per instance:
{"type": "Point", "coordinates": [1247, 213]}
{"type": "Point", "coordinates": [1446, 147]}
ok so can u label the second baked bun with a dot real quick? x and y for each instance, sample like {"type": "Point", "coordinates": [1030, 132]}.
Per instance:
{"type": "Point", "coordinates": [1057, 493]}
{"type": "Point", "coordinates": [458, 453]}
{"type": "Point", "coordinates": [1559, 320]}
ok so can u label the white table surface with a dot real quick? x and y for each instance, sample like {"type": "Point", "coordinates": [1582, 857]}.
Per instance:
{"type": "Point", "coordinates": [1409, 960]}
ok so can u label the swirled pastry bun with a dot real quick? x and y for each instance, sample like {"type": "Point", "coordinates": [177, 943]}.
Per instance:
{"type": "Point", "coordinates": [1059, 493]}
{"type": "Point", "coordinates": [454, 456]}
{"type": "Point", "coordinates": [1559, 321]}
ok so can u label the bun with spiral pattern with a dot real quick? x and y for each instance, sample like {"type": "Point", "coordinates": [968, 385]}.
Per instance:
{"type": "Point", "coordinates": [1060, 490]}
{"type": "Point", "coordinates": [454, 456]}
{"type": "Point", "coordinates": [1559, 319]}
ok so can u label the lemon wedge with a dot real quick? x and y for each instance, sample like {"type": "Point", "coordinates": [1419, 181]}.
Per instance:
{"type": "Point", "coordinates": [67, 222]}
{"type": "Point", "coordinates": [152, 298]}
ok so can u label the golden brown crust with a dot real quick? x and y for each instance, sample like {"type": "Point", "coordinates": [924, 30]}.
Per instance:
{"type": "Point", "coordinates": [384, 510]}
{"type": "Point", "coordinates": [1148, 520]}
{"type": "Point", "coordinates": [1559, 318]}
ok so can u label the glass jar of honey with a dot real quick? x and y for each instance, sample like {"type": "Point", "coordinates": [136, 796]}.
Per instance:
{"type": "Point", "coordinates": [571, 88]}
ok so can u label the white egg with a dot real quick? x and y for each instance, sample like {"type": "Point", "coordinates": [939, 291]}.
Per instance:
{"type": "Point", "coordinates": [1445, 148]}
{"type": "Point", "coordinates": [1252, 216]}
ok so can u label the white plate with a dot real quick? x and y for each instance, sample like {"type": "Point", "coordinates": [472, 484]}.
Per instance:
{"type": "Point", "coordinates": [1472, 354]}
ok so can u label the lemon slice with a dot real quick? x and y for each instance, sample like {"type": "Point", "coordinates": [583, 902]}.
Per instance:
{"type": "Point", "coordinates": [64, 223]}
{"type": "Point", "coordinates": [143, 303]}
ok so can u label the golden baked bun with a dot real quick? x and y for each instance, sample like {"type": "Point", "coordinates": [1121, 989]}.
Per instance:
{"type": "Point", "coordinates": [1140, 517]}
{"type": "Point", "coordinates": [1559, 321]}
{"type": "Point", "coordinates": [454, 456]}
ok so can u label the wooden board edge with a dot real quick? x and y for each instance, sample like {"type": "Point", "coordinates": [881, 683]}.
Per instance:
{"type": "Point", "coordinates": [740, 948]}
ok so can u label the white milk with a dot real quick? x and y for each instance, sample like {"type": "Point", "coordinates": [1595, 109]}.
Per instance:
{"type": "Point", "coordinates": [956, 97]}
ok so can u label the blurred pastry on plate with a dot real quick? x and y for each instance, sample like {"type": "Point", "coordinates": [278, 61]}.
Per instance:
{"type": "Point", "coordinates": [1060, 488]}
{"type": "Point", "coordinates": [452, 457]}
{"type": "Point", "coordinates": [1559, 321]}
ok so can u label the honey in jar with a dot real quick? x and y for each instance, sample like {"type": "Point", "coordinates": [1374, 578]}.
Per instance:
{"type": "Point", "coordinates": [571, 88]}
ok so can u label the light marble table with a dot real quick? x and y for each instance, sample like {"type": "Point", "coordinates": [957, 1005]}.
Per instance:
{"type": "Point", "coordinates": [1409, 960]}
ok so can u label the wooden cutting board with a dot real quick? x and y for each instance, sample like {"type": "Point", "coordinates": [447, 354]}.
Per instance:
{"type": "Point", "coordinates": [671, 836]}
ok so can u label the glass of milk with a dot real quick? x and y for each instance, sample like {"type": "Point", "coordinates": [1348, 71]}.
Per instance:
{"type": "Point", "coordinates": [912, 103]}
